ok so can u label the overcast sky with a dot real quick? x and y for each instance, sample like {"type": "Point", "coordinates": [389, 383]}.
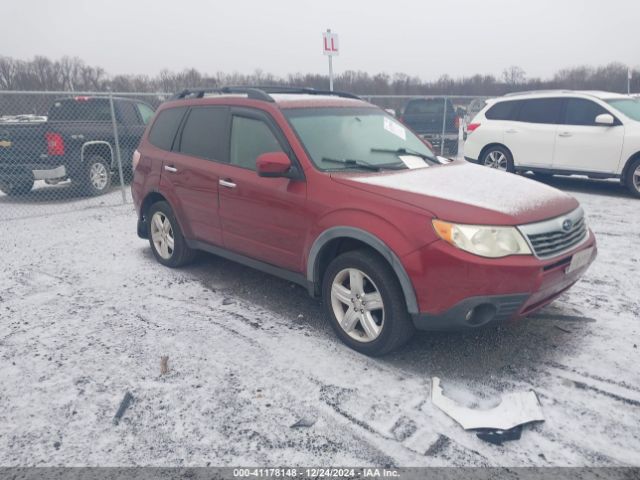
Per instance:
{"type": "Point", "coordinates": [424, 38]}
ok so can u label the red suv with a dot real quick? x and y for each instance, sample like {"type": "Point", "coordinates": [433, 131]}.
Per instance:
{"type": "Point", "coordinates": [331, 192]}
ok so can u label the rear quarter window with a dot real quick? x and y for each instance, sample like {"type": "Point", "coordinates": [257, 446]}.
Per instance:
{"type": "Point", "coordinates": [164, 128]}
{"type": "Point", "coordinates": [502, 111]}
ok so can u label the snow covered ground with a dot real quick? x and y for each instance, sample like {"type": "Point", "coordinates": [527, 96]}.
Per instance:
{"type": "Point", "coordinates": [86, 313]}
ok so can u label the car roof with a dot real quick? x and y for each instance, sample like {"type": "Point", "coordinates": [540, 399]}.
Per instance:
{"type": "Point", "coordinates": [281, 97]}
{"type": "Point", "coordinates": [599, 94]}
{"type": "Point", "coordinates": [314, 101]}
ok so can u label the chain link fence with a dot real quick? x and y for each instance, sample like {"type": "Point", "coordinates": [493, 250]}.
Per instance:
{"type": "Point", "coordinates": [62, 151]}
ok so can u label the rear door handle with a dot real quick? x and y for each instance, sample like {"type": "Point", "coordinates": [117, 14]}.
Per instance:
{"type": "Point", "coordinates": [511, 130]}
{"type": "Point", "coordinates": [227, 183]}
{"type": "Point", "coordinates": [564, 134]}
{"type": "Point", "coordinates": [170, 168]}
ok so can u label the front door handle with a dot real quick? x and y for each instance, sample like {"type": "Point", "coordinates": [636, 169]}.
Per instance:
{"type": "Point", "coordinates": [227, 183]}
{"type": "Point", "coordinates": [564, 134]}
{"type": "Point", "coordinates": [170, 168]}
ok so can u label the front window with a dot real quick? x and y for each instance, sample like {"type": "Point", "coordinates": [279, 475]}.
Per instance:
{"type": "Point", "coordinates": [629, 106]}
{"type": "Point", "coordinates": [357, 138]}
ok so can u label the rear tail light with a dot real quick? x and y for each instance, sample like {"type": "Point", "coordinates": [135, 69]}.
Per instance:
{"type": "Point", "coordinates": [472, 126]}
{"type": "Point", "coordinates": [456, 122]}
{"type": "Point", "coordinates": [55, 144]}
{"type": "Point", "coordinates": [136, 159]}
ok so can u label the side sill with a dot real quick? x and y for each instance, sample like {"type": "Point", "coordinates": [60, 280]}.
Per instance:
{"type": "Point", "coordinates": [288, 275]}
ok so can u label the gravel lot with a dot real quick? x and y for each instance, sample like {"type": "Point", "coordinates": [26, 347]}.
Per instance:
{"type": "Point", "coordinates": [86, 313]}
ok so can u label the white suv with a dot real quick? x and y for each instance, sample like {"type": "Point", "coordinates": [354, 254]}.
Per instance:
{"type": "Point", "coordinates": [560, 132]}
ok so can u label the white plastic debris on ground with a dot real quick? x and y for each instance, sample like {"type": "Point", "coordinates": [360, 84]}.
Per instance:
{"type": "Point", "coordinates": [515, 409]}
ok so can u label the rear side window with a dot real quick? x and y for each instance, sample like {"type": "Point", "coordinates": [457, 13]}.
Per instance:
{"type": "Point", "coordinates": [165, 127]}
{"type": "Point", "coordinates": [204, 133]}
{"type": "Point", "coordinates": [81, 110]}
{"type": "Point", "coordinates": [127, 113]}
{"type": "Point", "coordinates": [502, 111]}
{"type": "Point", "coordinates": [542, 110]}
{"type": "Point", "coordinates": [250, 138]}
{"type": "Point", "coordinates": [582, 112]}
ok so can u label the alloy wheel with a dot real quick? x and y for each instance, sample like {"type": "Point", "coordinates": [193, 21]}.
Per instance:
{"type": "Point", "coordinates": [636, 178]}
{"type": "Point", "coordinates": [496, 159]}
{"type": "Point", "coordinates": [99, 176]}
{"type": "Point", "coordinates": [357, 305]}
{"type": "Point", "coordinates": [162, 235]}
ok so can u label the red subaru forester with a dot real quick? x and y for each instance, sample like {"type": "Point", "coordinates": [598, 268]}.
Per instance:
{"type": "Point", "coordinates": [331, 192]}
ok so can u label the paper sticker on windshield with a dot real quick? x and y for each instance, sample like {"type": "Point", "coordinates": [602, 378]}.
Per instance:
{"type": "Point", "coordinates": [395, 128]}
{"type": "Point", "coordinates": [411, 161]}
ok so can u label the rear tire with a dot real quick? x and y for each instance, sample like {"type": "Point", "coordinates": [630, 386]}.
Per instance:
{"type": "Point", "coordinates": [95, 176]}
{"type": "Point", "coordinates": [632, 178]}
{"type": "Point", "coordinates": [497, 157]}
{"type": "Point", "coordinates": [365, 304]}
{"type": "Point", "coordinates": [165, 237]}
{"type": "Point", "coordinates": [14, 188]}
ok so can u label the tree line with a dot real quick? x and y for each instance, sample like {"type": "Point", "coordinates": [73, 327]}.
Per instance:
{"type": "Point", "coordinates": [73, 74]}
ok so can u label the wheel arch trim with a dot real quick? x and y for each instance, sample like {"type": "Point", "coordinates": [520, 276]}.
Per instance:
{"type": "Point", "coordinates": [374, 242]}
{"type": "Point", "coordinates": [93, 143]}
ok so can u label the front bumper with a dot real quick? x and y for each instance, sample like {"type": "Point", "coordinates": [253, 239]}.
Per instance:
{"type": "Point", "coordinates": [458, 290]}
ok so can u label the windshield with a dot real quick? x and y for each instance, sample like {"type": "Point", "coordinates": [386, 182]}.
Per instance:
{"type": "Point", "coordinates": [629, 106]}
{"type": "Point", "coordinates": [356, 138]}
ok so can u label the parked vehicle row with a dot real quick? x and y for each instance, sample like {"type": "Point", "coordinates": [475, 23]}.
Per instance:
{"type": "Point", "coordinates": [75, 140]}
{"type": "Point", "coordinates": [331, 192]}
{"type": "Point", "coordinates": [596, 134]}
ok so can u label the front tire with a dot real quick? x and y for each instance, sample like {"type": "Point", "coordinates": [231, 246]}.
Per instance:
{"type": "Point", "coordinates": [632, 178]}
{"type": "Point", "coordinates": [14, 188]}
{"type": "Point", "coordinates": [95, 176]}
{"type": "Point", "coordinates": [165, 237]}
{"type": "Point", "coordinates": [498, 157]}
{"type": "Point", "coordinates": [364, 303]}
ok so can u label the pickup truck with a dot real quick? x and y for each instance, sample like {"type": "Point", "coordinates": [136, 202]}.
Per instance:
{"type": "Point", "coordinates": [425, 115]}
{"type": "Point", "coordinates": [75, 141]}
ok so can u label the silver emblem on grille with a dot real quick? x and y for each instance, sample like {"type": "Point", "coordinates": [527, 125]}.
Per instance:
{"type": "Point", "coordinates": [567, 224]}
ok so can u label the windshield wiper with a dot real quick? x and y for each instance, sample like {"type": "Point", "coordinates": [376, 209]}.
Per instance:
{"type": "Point", "coordinates": [366, 165]}
{"type": "Point", "coordinates": [405, 151]}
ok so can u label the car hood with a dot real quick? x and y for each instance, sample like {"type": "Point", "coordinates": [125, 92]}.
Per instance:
{"type": "Point", "coordinates": [466, 193]}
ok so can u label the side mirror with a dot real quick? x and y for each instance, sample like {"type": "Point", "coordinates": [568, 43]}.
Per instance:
{"type": "Point", "coordinates": [605, 119]}
{"type": "Point", "coordinates": [273, 164]}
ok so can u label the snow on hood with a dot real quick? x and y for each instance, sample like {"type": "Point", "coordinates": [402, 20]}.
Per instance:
{"type": "Point", "coordinates": [479, 190]}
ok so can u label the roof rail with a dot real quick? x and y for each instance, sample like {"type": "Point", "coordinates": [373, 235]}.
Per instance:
{"type": "Point", "coordinates": [534, 92]}
{"type": "Point", "coordinates": [252, 93]}
{"type": "Point", "coordinates": [275, 89]}
{"type": "Point", "coordinates": [258, 92]}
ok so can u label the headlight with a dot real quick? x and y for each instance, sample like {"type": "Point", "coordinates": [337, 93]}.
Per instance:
{"type": "Point", "coordinates": [483, 240]}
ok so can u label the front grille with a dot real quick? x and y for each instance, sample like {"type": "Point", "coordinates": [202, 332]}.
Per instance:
{"type": "Point", "coordinates": [549, 238]}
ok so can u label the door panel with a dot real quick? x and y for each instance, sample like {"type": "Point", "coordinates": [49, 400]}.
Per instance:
{"type": "Point", "coordinates": [263, 218]}
{"type": "Point", "coordinates": [531, 144]}
{"type": "Point", "coordinates": [191, 171]}
{"type": "Point", "coordinates": [531, 138]}
{"type": "Point", "coordinates": [194, 186]}
{"type": "Point", "coordinates": [582, 145]}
